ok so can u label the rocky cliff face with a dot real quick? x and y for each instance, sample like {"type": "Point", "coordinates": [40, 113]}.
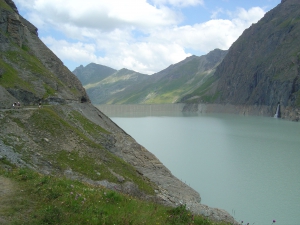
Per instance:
{"type": "Point", "coordinates": [262, 66]}
{"type": "Point", "coordinates": [44, 78]}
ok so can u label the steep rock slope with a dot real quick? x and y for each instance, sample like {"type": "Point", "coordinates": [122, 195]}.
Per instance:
{"type": "Point", "coordinates": [30, 72]}
{"type": "Point", "coordinates": [262, 66]}
{"type": "Point", "coordinates": [70, 137]}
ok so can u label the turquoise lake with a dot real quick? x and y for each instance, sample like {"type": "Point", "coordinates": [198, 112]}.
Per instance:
{"type": "Point", "coordinates": [249, 166]}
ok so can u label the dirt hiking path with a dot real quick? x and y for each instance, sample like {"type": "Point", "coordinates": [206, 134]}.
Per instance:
{"type": "Point", "coordinates": [7, 190]}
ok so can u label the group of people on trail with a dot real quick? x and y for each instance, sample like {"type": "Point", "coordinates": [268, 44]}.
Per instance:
{"type": "Point", "coordinates": [16, 105]}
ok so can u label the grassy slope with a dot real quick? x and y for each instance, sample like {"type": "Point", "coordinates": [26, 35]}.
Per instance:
{"type": "Point", "coordinates": [72, 144]}
{"type": "Point", "coordinates": [5, 6]}
{"type": "Point", "coordinates": [20, 58]}
{"type": "Point", "coordinates": [178, 84]}
{"type": "Point", "coordinates": [201, 93]}
{"type": "Point", "coordinates": [43, 199]}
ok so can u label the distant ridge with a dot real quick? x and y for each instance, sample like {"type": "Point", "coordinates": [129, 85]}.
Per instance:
{"type": "Point", "coordinates": [93, 73]}
{"type": "Point", "coordinates": [167, 86]}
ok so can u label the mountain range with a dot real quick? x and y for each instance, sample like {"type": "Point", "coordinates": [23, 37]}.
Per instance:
{"type": "Point", "coordinates": [259, 72]}
{"type": "Point", "coordinates": [167, 86]}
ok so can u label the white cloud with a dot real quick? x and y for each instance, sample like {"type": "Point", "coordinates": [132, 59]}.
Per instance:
{"type": "Point", "coordinates": [216, 13]}
{"type": "Point", "coordinates": [102, 15]}
{"type": "Point", "coordinates": [143, 57]}
{"type": "Point", "coordinates": [179, 3]}
{"type": "Point", "coordinates": [105, 31]}
{"type": "Point", "coordinates": [215, 33]}
{"type": "Point", "coordinates": [79, 52]}
{"type": "Point", "coordinates": [250, 16]}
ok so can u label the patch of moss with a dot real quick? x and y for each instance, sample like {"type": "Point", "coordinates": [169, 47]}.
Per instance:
{"type": "Point", "coordinates": [211, 98]}
{"type": "Point", "coordinates": [18, 121]}
{"type": "Point", "coordinates": [10, 78]}
{"type": "Point", "coordinates": [49, 91]}
{"type": "Point", "coordinates": [25, 48]}
{"type": "Point", "coordinates": [205, 86]}
{"type": "Point", "coordinates": [46, 119]}
{"type": "Point", "coordinates": [90, 127]}
{"type": "Point", "coordinates": [27, 62]}
{"type": "Point", "coordinates": [4, 5]}
{"type": "Point", "coordinates": [85, 165]}
{"type": "Point", "coordinates": [297, 103]}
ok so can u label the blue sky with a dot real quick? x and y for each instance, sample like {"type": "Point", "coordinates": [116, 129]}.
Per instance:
{"type": "Point", "coordinates": [142, 35]}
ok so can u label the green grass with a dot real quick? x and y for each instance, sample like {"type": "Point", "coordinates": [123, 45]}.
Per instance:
{"type": "Point", "coordinates": [25, 48]}
{"type": "Point", "coordinates": [4, 5]}
{"type": "Point", "coordinates": [27, 61]}
{"type": "Point", "coordinates": [297, 103]}
{"type": "Point", "coordinates": [49, 91]}
{"type": "Point", "coordinates": [85, 165]}
{"type": "Point", "coordinates": [49, 121]}
{"type": "Point", "coordinates": [204, 86]}
{"type": "Point", "coordinates": [46, 119]}
{"type": "Point", "coordinates": [89, 157]}
{"type": "Point", "coordinates": [22, 59]}
{"type": "Point", "coordinates": [10, 78]}
{"type": "Point", "coordinates": [210, 98]}
{"type": "Point", "coordinates": [57, 200]}
{"type": "Point", "coordinates": [87, 125]}
{"type": "Point", "coordinates": [202, 90]}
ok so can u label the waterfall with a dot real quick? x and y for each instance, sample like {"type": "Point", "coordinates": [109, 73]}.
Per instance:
{"type": "Point", "coordinates": [277, 114]}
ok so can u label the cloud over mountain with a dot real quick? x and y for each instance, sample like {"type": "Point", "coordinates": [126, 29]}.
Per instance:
{"type": "Point", "coordinates": [145, 36]}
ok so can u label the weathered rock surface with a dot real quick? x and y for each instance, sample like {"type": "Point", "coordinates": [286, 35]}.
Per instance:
{"type": "Point", "coordinates": [262, 66]}
{"type": "Point", "coordinates": [51, 79]}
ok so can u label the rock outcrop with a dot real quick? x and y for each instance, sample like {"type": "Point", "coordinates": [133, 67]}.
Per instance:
{"type": "Point", "coordinates": [262, 66]}
{"type": "Point", "coordinates": [19, 43]}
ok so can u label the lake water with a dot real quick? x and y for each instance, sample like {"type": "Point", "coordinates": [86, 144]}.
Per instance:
{"type": "Point", "coordinates": [249, 166]}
